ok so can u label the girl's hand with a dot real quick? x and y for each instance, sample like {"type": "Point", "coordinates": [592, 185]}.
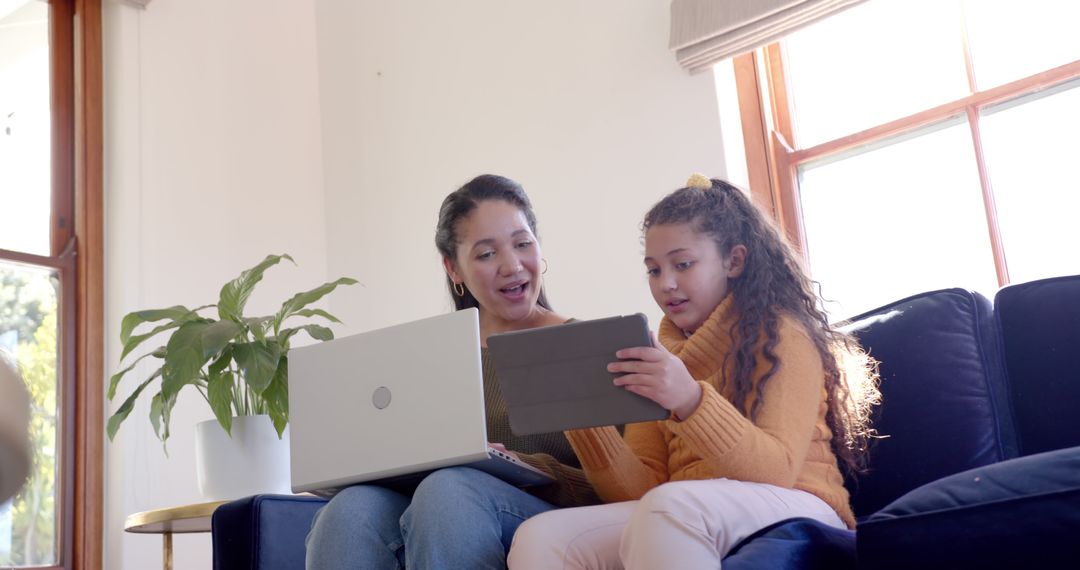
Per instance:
{"type": "Point", "coordinates": [659, 376]}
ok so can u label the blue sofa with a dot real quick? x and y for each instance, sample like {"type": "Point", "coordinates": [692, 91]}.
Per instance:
{"type": "Point", "coordinates": [979, 466]}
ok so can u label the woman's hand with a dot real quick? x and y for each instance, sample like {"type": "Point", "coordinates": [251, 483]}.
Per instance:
{"type": "Point", "coordinates": [502, 448]}
{"type": "Point", "coordinates": [658, 375]}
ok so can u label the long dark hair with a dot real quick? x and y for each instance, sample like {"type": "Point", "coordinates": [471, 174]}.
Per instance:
{"type": "Point", "coordinates": [460, 204]}
{"type": "Point", "coordinates": [773, 283]}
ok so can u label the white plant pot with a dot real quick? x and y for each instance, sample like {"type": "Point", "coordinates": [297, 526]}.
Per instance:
{"type": "Point", "coordinates": [251, 462]}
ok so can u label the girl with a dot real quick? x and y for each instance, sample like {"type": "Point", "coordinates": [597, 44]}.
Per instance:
{"type": "Point", "coordinates": [460, 517]}
{"type": "Point", "coordinates": [761, 411]}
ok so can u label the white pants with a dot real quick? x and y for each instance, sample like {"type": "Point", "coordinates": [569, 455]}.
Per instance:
{"type": "Point", "coordinates": [688, 524]}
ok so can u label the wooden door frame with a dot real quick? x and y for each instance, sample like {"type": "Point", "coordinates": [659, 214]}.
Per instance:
{"type": "Point", "coordinates": [89, 228]}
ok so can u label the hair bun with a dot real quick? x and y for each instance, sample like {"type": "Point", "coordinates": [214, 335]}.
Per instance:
{"type": "Point", "coordinates": [699, 181]}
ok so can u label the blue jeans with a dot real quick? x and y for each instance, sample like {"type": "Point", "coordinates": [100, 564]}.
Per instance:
{"type": "Point", "coordinates": [457, 518]}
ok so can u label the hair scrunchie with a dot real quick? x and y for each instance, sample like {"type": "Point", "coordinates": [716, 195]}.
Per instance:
{"type": "Point", "coordinates": [699, 181]}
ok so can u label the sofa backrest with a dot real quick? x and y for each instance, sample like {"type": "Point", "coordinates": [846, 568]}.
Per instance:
{"type": "Point", "coordinates": [1040, 331]}
{"type": "Point", "coordinates": [944, 400]}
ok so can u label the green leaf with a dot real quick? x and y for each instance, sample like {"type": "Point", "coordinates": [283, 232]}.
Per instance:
{"type": "Point", "coordinates": [258, 326]}
{"type": "Point", "coordinates": [234, 295]}
{"type": "Point", "coordinates": [115, 380]}
{"type": "Point", "coordinates": [317, 332]}
{"type": "Point", "coordinates": [132, 320]}
{"type": "Point", "coordinates": [167, 403]}
{"type": "Point", "coordinates": [131, 342]}
{"type": "Point", "coordinates": [276, 396]}
{"type": "Point", "coordinates": [220, 394]}
{"type": "Point", "coordinates": [184, 358]}
{"type": "Point", "coordinates": [317, 313]}
{"type": "Point", "coordinates": [155, 414]}
{"type": "Point", "coordinates": [301, 300]}
{"type": "Point", "coordinates": [222, 361]}
{"type": "Point", "coordinates": [216, 336]}
{"type": "Point", "coordinates": [258, 362]}
{"type": "Point", "coordinates": [125, 409]}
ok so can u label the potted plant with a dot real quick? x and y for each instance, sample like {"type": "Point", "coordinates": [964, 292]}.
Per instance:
{"type": "Point", "coordinates": [239, 365]}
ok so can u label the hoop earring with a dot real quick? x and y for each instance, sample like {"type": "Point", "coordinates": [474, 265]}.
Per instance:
{"type": "Point", "coordinates": [459, 288]}
{"type": "Point", "coordinates": [544, 272]}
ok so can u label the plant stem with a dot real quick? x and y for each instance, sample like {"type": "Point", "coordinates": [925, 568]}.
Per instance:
{"type": "Point", "coordinates": [238, 402]}
{"type": "Point", "coordinates": [203, 393]}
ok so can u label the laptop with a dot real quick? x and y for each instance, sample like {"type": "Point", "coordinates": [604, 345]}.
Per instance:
{"type": "Point", "coordinates": [391, 405]}
{"type": "Point", "coordinates": [556, 378]}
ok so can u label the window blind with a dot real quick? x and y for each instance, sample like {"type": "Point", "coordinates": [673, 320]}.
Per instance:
{"type": "Point", "coordinates": [704, 32]}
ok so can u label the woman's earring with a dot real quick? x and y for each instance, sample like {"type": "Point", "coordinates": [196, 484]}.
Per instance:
{"type": "Point", "coordinates": [459, 288]}
{"type": "Point", "coordinates": [544, 272]}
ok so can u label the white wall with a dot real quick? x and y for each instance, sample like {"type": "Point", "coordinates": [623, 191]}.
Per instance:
{"type": "Point", "coordinates": [579, 101]}
{"type": "Point", "coordinates": [212, 161]}
{"type": "Point", "coordinates": [332, 129]}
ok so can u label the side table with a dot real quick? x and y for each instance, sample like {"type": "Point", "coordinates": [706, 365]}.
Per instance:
{"type": "Point", "coordinates": [167, 521]}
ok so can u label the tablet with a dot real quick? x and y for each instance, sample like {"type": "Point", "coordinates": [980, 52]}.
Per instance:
{"type": "Point", "coordinates": [556, 378]}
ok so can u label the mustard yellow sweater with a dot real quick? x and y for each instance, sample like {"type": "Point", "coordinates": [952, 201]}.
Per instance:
{"type": "Point", "coordinates": [787, 446]}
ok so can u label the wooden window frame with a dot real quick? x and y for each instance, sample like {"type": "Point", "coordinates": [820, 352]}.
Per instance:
{"type": "Point", "coordinates": [89, 224]}
{"type": "Point", "coordinates": [76, 252]}
{"type": "Point", "coordinates": [772, 161]}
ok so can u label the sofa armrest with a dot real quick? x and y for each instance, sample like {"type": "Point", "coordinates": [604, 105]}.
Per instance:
{"type": "Point", "coordinates": [263, 531]}
{"type": "Point", "coordinates": [1020, 513]}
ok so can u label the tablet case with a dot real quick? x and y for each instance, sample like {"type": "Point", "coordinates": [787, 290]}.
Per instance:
{"type": "Point", "coordinates": [556, 378]}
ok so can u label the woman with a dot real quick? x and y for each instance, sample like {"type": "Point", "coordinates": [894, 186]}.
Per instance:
{"type": "Point", "coordinates": [459, 517]}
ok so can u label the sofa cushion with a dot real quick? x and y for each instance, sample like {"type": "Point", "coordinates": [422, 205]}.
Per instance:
{"type": "Point", "coordinates": [1021, 513]}
{"type": "Point", "coordinates": [798, 543]}
{"type": "Point", "coordinates": [263, 532]}
{"type": "Point", "coordinates": [944, 403]}
{"type": "Point", "coordinates": [1040, 327]}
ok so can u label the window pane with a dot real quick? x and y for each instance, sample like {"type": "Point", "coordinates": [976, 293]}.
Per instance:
{"type": "Point", "coordinates": [897, 220]}
{"type": "Point", "coordinates": [24, 126]}
{"type": "Point", "coordinates": [1010, 40]}
{"type": "Point", "coordinates": [874, 63]}
{"type": "Point", "coordinates": [1031, 151]}
{"type": "Point", "coordinates": [28, 331]}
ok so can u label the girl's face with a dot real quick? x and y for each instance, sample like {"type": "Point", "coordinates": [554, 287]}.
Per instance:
{"type": "Point", "coordinates": [498, 260]}
{"type": "Point", "coordinates": [687, 274]}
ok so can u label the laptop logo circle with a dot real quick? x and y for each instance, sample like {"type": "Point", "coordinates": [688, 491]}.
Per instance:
{"type": "Point", "coordinates": [381, 397]}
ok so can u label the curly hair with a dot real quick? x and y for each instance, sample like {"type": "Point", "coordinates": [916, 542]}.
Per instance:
{"type": "Point", "coordinates": [773, 283]}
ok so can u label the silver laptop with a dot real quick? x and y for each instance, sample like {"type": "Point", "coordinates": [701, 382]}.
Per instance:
{"type": "Point", "coordinates": [390, 405]}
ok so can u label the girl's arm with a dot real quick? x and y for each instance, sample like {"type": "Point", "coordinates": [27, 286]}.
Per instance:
{"type": "Point", "coordinates": [622, 468]}
{"type": "Point", "coordinates": [774, 447]}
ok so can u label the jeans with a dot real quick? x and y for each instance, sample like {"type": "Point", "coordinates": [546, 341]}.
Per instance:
{"type": "Point", "coordinates": [457, 518]}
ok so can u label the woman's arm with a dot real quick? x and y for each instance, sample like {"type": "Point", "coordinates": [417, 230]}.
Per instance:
{"type": "Point", "coordinates": [571, 487]}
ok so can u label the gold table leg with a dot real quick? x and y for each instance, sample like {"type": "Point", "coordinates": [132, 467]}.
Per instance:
{"type": "Point", "coordinates": [167, 550]}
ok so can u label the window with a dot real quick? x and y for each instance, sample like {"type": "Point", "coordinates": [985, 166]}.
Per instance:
{"type": "Point", "coordinates": [50, 282]}
{"type": "Point", "coordinates": [909, 145]}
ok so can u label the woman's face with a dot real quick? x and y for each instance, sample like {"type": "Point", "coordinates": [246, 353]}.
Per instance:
{"type": "Point", "coordinates": [498, 260]}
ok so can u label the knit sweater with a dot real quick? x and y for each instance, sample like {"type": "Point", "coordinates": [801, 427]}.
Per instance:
{"type": "Point", "coordinates": [788, 445]}
{"type": "Point", "coordinates": [548, 452]}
